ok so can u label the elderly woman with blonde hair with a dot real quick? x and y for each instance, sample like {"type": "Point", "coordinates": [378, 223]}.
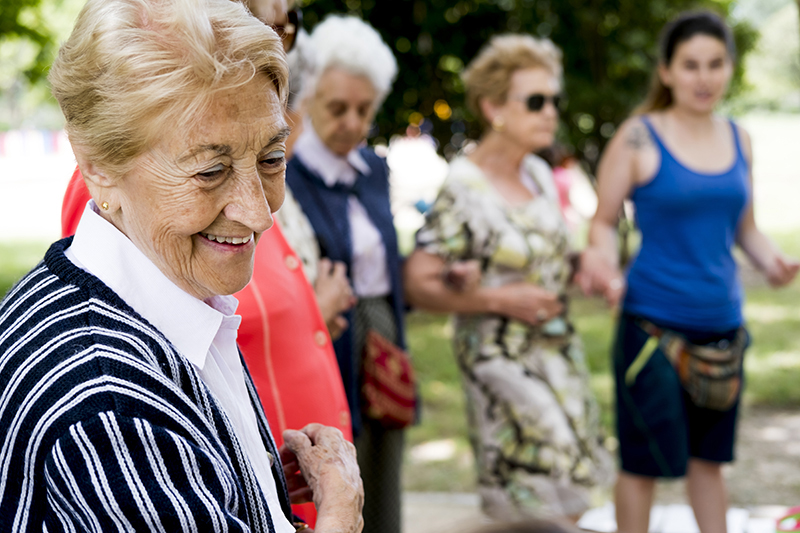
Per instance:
{"type": "Point", "coordinates": [343, 189]}
{"type": "Point", "coordinates": [533, 420]}
{"type": "Point", "coordinates": [126, 404]}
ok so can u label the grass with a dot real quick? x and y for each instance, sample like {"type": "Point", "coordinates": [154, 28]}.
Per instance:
{"type": "Point", "coordinates": [772, 365]}
{"type": "Point", "coordinates": [17, 258]}
{"type": "Point", "coordinates": [443, 416]}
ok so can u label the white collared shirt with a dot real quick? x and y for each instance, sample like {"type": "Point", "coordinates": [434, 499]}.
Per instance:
{"type": "Point", "coordinates": [203, 332]}
{"type": "Point", "coordinates": [370, 276]}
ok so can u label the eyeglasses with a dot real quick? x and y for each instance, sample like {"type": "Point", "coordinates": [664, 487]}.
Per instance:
{"type": "Point", "coordinates": [288, 31]}
{"type": "Point", "coordinates": [535, 102]}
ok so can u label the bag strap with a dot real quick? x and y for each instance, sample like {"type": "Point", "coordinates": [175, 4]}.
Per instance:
{"type": "Point", "coordinates": [671, 345]}
{"type": "Point", "coordinates": [640, 360]}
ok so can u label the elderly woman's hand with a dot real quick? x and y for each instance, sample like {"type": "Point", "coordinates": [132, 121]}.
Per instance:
{"type": "Point", "coordinates": [599, 276]}
{"type": "Point", "coordinates": [328, 465]}
{"type": "Point", "coordinates": [299, 491]}
{"type": "Point", "coordinates": [526, 302]}
{"type": "Point", "coordinates": [334, 295]}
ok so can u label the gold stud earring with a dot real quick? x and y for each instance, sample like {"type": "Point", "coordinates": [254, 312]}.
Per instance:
{"type": "Point", "coordinates": [104, 206]}
{"type": "Point", "coordinates": [498, 124]}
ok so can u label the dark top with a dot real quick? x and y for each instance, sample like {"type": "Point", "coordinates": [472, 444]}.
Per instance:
{"type": "Point", "coordinates": [326, 209]}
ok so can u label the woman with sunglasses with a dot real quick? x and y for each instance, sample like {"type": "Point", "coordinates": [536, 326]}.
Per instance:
{"type": "Point", "coordinates": [688, 172]}
{"type": "Point", "coordinates": [533, 421]}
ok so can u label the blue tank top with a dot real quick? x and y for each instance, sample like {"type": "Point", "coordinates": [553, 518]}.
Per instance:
{"type": "Point", "coordinates": [684, 274]}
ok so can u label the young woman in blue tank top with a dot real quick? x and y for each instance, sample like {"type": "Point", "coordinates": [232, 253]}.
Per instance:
{"type": "Point", "coordinates": [688, 174]}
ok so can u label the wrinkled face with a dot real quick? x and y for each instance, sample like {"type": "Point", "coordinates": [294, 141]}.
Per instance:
{"type": "Point", "coordinates": [342, 109]}
{"type": "Point", "coordinates": [197, 202]}
{"type": "Point", "coordinates": [533, 130]}
{"type": "Point", "coordinates": [698, 74]}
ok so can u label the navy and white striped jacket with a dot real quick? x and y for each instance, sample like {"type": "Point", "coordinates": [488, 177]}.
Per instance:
{"type": "Point", "coordinates": [104, 426]}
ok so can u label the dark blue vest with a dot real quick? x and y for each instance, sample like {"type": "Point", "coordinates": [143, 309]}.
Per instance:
{"type": "Point", "coordinates": [326, 209]}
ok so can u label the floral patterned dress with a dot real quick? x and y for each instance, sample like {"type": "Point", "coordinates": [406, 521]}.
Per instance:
{"type": "Point", "coordinates": [533, 420]}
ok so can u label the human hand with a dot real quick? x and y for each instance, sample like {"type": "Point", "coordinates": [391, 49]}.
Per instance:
{"type": "Point", "coordinates": [462, 276]}
{"type": "Point", "coordinates": [334, 295]}
{"type": "Point", "coordinates": [597, 276]}
{"type": "Point", "coordinates": [782, 271]}
{"type": "Point", "coordinates": [299, 491]}
{"type": "Point", "coordinates": [336, 326]}
{"type": "Point", "coordinates": [328, 465]}
{"type": "Point", "coordinates": [526, 302]}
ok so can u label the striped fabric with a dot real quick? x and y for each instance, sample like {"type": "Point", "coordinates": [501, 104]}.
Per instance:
{"type": "Point", "coordinates": [105, 427]}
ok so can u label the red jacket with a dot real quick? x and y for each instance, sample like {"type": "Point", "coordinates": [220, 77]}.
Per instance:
{"type": "Point", "coordinates": [283, 337]}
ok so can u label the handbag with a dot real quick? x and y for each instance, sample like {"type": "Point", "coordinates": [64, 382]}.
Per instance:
{"type": "Point", "coordinates": [710, 374]}
{"type": "Point", "coordinates": [389, 387]}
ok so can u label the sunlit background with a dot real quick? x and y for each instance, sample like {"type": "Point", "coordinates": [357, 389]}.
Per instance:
{"type": "Point", "coordinates": [609, 50]}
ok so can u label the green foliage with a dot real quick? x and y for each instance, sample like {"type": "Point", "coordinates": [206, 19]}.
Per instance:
{"type": "Point", "coordinates": [773, 68]}
{"type": "Point", "coordinates": [610, 48]}
{"type": "Point", "coordinates": [22, 19]}
{"type": "Point", "coordinates": [30, 31]}
{"type": "Point", "coordinates": [16, 259]}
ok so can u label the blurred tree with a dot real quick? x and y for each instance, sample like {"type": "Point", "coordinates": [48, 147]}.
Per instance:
{"type": "Point", "coordinates": [798, 13]}
{"type": "Point", "coordinates": [30, 31]}
{"type": "Point", "coordinates": [21, 19]}
{"type": "Point", "coordinates": [610, 49]}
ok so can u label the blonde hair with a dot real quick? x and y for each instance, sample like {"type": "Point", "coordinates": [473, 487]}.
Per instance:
{"type": "Point", "coordinates": [489, 74]}
{"type": "Point", "coordinates": [133, 67]}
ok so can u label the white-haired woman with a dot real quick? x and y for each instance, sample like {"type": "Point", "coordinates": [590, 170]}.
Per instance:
{"type": "Point", "coordinates": [344, 191]}
{"type": "Point", "coordinates": [125, 403]}
{"type": "Point", "coordinates": [532, 416]}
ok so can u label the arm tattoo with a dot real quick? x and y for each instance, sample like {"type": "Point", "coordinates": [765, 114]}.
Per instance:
{"type": "Point", "coordinates": [638, 137]}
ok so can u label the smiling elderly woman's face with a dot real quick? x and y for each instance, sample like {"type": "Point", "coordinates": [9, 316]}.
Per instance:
{"type": "Point", "coordinates": [197, 202]}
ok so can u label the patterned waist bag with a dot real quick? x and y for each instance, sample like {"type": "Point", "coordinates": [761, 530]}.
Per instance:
{"type": "Point", "coordinates": [710, 374]}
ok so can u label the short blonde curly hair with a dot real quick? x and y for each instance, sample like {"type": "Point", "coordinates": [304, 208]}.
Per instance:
{"type": "Point", "coordinates": [488, 76]}
{"type": "Point", "coordinates": [132, 68]}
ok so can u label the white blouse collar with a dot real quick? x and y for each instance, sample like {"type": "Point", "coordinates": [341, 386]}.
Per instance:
{"type": "Point", "coordinates": [187, 322]}
{"type": "Point", "coordinates": [330, 167]}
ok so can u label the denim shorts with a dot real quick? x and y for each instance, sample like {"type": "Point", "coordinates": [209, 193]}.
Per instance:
{"type": "Point", "coordinates": [658, 426]}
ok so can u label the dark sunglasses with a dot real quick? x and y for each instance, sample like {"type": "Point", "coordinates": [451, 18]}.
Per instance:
{"type": "Point", "coordinates": [535, 102]}
{"type": "Point", "coordinates": [288, 32]}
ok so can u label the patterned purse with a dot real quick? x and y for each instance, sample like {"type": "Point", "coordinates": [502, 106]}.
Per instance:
{"type": "Point", "coordinates": [389, 390]}
{"type": "Point", "coordinates": [711, 375]}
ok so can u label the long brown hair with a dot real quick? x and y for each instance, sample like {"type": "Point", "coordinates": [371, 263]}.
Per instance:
{"type": "Point", "coordinates": [680, 30]}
